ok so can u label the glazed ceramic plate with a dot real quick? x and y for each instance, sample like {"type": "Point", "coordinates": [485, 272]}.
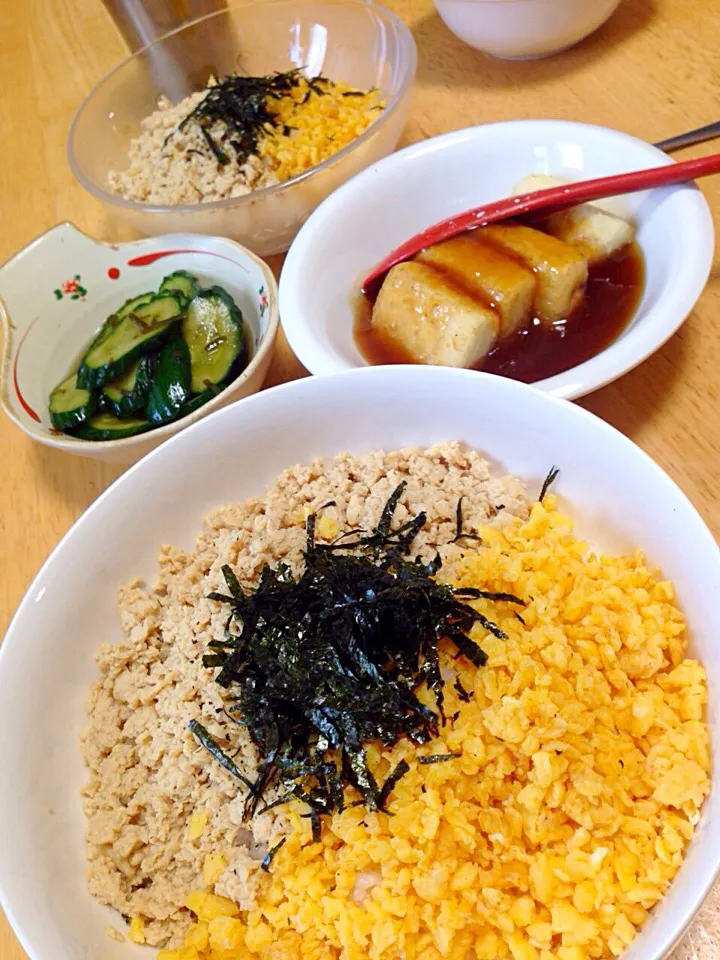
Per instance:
{"type": "Point", "coordinates": [57, 291]}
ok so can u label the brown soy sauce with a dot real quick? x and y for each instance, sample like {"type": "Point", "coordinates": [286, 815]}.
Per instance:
{"type": "Point", "coordinates": [539, 351]}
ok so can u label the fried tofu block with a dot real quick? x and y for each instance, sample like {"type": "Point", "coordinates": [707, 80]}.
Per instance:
{"type": "Point", "coordinates": [500, 281]}
{"type": "Point", "coordinates": [433, 321]}
{"type": "Point", "coordinates": [597, 229]}
{"type": "Point", "coordinates": [560, 269]}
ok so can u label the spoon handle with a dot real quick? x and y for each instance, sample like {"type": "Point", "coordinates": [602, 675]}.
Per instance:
{"type": "Point", "coordinates": [549, 200]}
{"type": "Point", "coordinates": [698, 135]}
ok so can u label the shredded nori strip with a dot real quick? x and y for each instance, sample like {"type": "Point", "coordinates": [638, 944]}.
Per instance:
{"type": "Point", "coordinates": [438, 757]}
{"type": "Point", "coordinates": [459, 535]}
{"type": "Point", "coordinates": [517, 615]}
{"type": "Point", "coordinates": [211, 745]}
{"type": "Point", "coordinates": [400, 770]}
{"type": "Point", "coordinates": [475, 594]}
{"type": "Point", "coordinates": [222, 158]}
{"type": "Point", "coordinates": [318, 664]}
{"type": "Point", "coordinates": [316, 88]}
{"type": "Point", "coordinates": [458, 519]}
{"type": "Point", "coordinates": [462, 693]}
{"type": "Point", "coordinates": [270, 855]}
{"type": "Point", "coordinates": [548, 482]}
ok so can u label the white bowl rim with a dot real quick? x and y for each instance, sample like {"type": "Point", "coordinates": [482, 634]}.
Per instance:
{"type": "Point", "coordinates": [518, 2]}
{"type": "Point", "coordinates": [109, 196]}
{"type": "Point", "coordinates": [626, 352]}
{"type": "Point", "coordinates": [158, 434]}
{"type": "Point", "coordinates": [408, 372]}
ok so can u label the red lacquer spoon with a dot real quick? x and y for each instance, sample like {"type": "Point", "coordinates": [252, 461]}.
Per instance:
{"type": "Point", "coordinates": [548, 200]}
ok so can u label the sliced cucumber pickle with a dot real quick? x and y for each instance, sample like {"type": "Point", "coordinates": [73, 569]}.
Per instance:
{"type": "Point", "coordinates": [114, 319]}
{"type": "Point", "coordinates": [105, 330]}
{"type": "Point", "coordinates": [180, 282]}
{"type": "Point", "coordinates": [213, 331]}
{"type": "Point", "coordinates": [70, 405]}
{"type": "Point", "coordinates": [170, 387]}
{"type": "Point", "coordinates": [106, 426]}
{"type": "Point", "coordinates": [161, 356]}
{"type": "Point", "coordinates": [197, 400]}
{"type": "Point", "coordinates": [133, 303]}
{"type": "Point", "coordinates": [137, 333]}
{"type": "Point", "coordinates": [129, 393]}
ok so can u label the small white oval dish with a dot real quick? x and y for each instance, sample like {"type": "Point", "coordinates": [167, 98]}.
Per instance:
{"type": "Point", "coordinates": [397, 197]}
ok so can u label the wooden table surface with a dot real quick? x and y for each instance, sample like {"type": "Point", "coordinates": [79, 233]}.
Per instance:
{"type": "Point", "coordinates": [653, 70]}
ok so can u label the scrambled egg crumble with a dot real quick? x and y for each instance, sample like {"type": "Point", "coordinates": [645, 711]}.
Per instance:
{"type": "Point", "coordinates": [315, 120]}
{"type": "Point", "coordinates": [583, 765]}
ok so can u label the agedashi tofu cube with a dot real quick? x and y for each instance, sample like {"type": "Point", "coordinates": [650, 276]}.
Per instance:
{"type": "Point", "coordinates": [560, 269]}
{"type": "Point", "coordinates": [431, 320]}
{"type": "Point", "coordinates": [500, 281]}
{"type": "Point", "coordinates": [596, 233]}
{"type": "Point", "coordinates": [596, 229]}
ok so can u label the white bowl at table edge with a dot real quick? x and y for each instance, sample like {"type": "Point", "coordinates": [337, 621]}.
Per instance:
{"type": "Point", "coordinates": [618, 496]}
{"type": "Point", "coordinates": [368, 216]}
{"type": "Point", "coordinates": [524, 29]}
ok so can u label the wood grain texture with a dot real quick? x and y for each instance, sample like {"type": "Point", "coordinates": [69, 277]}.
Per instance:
{"type": "Point", "coordinates": [653, 70]}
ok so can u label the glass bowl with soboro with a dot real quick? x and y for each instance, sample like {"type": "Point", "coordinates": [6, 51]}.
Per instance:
{"type": "Point", "coordinates": [240, 123]}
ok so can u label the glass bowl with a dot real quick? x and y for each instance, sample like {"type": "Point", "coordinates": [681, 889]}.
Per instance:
{"type": "Point", "coordinates": [353, 41]}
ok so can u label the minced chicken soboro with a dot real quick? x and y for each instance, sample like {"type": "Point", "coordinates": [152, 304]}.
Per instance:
{"type": "Point", "coordinates": [583, 764]}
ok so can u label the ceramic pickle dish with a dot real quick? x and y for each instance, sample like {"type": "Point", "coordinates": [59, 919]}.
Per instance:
{"type": "Point", "coordinates": [57, 291]}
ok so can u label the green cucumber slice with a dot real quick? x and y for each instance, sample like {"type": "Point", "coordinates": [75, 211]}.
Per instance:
{"type": "Point", "coordinates": [105, 330]}
{"type": "Point", "coordinates": [137, 333]}
{"type": "Point", "coordinates": [128, 394]}
{"type": "Point", "coordinates": [170, 386]}
{"type": "Point", "coordinates": [106, 426]}
{"type": "Point", "coordinates": [114, 319]}
{"type": "Point", "coordinates": [213, 330]}
{"type": "Point", "coordinates": [133, 303]}
{"type": "Point", "coordinates": [196, 401]}
{"type": "Point", "coordinates": [180, 282]}
{"type": "Point", "coordinates": [70, 405]}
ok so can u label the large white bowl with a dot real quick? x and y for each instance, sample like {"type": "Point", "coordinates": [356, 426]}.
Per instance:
{"type": "Point", "coordinates": [399, 196]}
{"type": "Point", "coordinates": [619, 497]}
{"type": "Point", "coordinates": [523, 29]}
